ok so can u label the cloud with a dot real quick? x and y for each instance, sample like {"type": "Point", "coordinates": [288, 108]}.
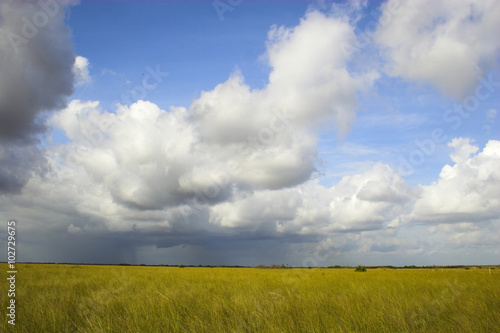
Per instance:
{"type": "Point", "coordinates": [72, 229]}
{"type": "Point", "coordinates": [231, 138]}
{"type": "Point", "coordinates": [463, 149]}
{"type": "Point", "coordinates": [36, 57]}
{"type": "Point", "coordinates": [178, 176]}
{"type": "Point", "coordinates": [81, 71]}
{"type": "Point", "coordinates": [360, 215]}
{"type": "Point", "coordinates": [448, 44]}
{"type": "Point", "coordinates": [19, 163]}
{"type": "Point", "coordinates": [355, 203]}
{"type": "Point", "coordinates": [35, 71]}
{"type": "Point", "coordinates": [137, 155]}
{"type": "Point", "coordinates": [311, 74]}
{"type": "Point", "coordinates": [367, 201]}
{"type": "Point", "coordinates": [468, 191]}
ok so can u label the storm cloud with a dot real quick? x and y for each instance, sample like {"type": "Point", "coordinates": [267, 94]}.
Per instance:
{"type": "Point", "coordinates": [36, 77]}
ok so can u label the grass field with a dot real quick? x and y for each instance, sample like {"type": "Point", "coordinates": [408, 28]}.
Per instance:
{"type": "Point", "coordinates": [73, 298]}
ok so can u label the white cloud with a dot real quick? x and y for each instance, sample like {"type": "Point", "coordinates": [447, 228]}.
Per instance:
{"type": "Point", "coordinates": [231, 137]}
{"type": "Point", "coordinates": [463, 149]}
{"type": "Point", "coordinates": [365, 201]}
{"type": "Point", "coordinates": [468, 191]}
{"type": "Point", "coordinates": [448, 44]}
{"type": "Point", "coordinates": [137, 154]}
{"type": "Point", "coordinates": [360, 202]}
{"type": "Point", "coordinates": [81, 71]}
{"type": "Point", "coordinates": [310, 74]}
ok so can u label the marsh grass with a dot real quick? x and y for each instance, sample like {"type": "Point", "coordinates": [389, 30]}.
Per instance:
{"type": "Point", "coordinates": [72, 298]}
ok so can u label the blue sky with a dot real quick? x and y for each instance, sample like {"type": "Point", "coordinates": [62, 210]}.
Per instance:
{"type": "Point", "coordinates": [186, 38]}
{"type": "Point", "coordinates": [390, 131]}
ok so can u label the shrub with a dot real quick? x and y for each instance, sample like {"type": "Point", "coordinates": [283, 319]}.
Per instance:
{"type": "Point", "coordinates": [181, 266]}
{"type": "Point", "coordinates": [360, 269]}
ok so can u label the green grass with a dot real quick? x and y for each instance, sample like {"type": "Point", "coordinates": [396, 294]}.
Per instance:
{"type": "Point", "coordinates": [72, 298]}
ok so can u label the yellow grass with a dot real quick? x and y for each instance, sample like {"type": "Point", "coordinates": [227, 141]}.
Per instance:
{"type": "Point", "coordinates": [73, 298]}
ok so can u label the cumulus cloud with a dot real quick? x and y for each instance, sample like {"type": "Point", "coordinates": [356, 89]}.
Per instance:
{"type": "Point", "coordinates": [231, 138]}
{"type": "Point", "coordinates": [138, 154]}
{"type": "Point", "coordinates": [361, 202]}
{"type": "Point", "coordinates": [366, 201]}
{"type": "Point", "coordinates": [321, 87]}
{"type": "Point", "coordinates": [359, 215]}
{"type": "Point", "coordinates": [448, 44]}
{"type": "Point", "coordinates": [468, 191]}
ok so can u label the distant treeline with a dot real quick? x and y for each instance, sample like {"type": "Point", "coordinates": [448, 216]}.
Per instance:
{"type": "Point", "coordinates": [282, 266]}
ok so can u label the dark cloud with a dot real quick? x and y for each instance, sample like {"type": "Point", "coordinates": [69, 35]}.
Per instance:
{"type": "Point", "coordinates": [36, 64]}
{"type": "Point", "coordinates": [18, 163]}
{"type": "Point", "coordinates": [36, 61]}
{"type": "Point", "coordinates": [76, 248]}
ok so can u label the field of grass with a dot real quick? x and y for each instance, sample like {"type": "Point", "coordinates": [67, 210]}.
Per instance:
{"type": "Point", "coordinates": [73, 298]}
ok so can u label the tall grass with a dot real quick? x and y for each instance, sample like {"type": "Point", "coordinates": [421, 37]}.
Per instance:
{"type": "Point", "coordinates": [72, 298]}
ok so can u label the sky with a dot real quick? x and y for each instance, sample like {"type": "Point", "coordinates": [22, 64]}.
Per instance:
{"type": "Point", "coordinates": [238, 132]}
